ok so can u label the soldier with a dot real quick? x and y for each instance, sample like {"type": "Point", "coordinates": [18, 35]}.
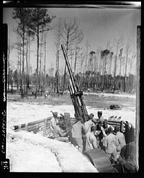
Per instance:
{"type": "Point", "coordinates": [94, 120]}
{"type": "Point", "coordinates": [61, 134]}
{"type": "Point", "coordinates": [91, 141]}
{"type": "Point", "coordinates": [121, 139]}
{"type": "Point", "coordinates": [88, 124]}
{"type": "Point", "coordinates": [101, 134]}
{"type": "Point", "coordinates": [77, 131]}
{"type": "Point", "coordinates": [120, 136]}
{"type": "Point", "coordinates": [54, 121]}
{"type": "Point", "coordinates": [110, 143]}
{"type": "Point", "coordinates": [100, 117]}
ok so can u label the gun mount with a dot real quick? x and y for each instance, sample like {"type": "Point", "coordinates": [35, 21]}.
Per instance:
{"type": "Point", "coordinates": [75, 93]}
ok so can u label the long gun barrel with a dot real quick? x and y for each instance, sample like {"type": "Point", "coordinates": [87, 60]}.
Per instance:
{"type": "Point", "coordinates": [75, 93]}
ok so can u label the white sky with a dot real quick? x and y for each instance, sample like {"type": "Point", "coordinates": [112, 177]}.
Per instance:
{"type": "Point", "coordinates": [99, 26]}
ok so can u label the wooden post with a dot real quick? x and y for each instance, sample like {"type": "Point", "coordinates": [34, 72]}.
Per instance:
{"type": "Point", "coordinates": [45, 124]}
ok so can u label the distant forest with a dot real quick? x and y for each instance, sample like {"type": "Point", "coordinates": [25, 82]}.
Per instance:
{"type": "Point", "coordinates": [103, 70]}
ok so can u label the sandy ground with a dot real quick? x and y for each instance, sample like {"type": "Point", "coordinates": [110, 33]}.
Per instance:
{"type": "Point", "coordinates": [19, 113]}
{"type": "Point", "coordinates": [112, 95]}
{"type": "Point", "coordinates": [34, 153]}
{"type": "Point", "coordinates": [31, 153]}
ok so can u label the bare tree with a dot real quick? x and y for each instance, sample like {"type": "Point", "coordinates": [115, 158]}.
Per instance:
{"type": "Point", "coordinates": [109, 46]}
{"type": "Point", "coordinates": [98, 52]}
{"type": "Point", "coordinates": [132, 62]}
{"type": "Point", "coordinates": [77, 50]}
{"type": "Point", "coordinates": [58, 37]}
{"type": "Point", "coordinates": [127, 52]}
{"type": "Point", "coordinates": [118, 43]}
{"type": "Point", "coordinates": [87, 52]}
{"type": "Point", "coordinates": [104, 55]}
{"type": "Point", "coordinates": [72, 36]}
{"type": "Point", "coordinates": [120, 60]}
{"type": "Point", "coordinates": [30, 39]}
{"type": "Point", "coordinates": [123, 64]}
{"type": "Point", "coordinates": [9, 50]}
{"type": "Point", "coordinates": [82, 60]}
{"type": "Point", "coordinates": [45, 51]}
{"type": "Point", "coordinates": [92, 60]}
{"type": "Point", "coordinates": [71, 57]}
{"type": "Point", "coordinates": [110, 62]}
{"type": "Point", "coordinates": [40, 60]}
{"type": "Point", "coordinates": [9, 73]}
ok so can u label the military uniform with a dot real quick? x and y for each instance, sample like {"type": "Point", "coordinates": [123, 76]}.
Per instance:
{"type": "Point", "coordinates": [76, 131]}
{"type": "Point", "coordinates": [91, 141]}
{"type": "Point", "coordinates": [111, 143]}
{"type": "Point", "coordinates": [88, 125]}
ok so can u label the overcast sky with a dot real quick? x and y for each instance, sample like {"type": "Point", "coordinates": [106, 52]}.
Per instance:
{"type": "Point", "coordinates": [99, 26]}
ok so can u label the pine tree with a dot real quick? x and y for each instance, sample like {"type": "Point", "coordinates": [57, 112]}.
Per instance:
{"type": "Point", "coordinates": [40, 21]}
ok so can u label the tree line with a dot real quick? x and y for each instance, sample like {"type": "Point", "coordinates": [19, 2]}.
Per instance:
{"type": "Point", "coordinates": [100, 70]}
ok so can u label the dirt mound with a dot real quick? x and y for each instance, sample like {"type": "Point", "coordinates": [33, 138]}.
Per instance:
{"type": "Point", "coordinates": [33, 153]}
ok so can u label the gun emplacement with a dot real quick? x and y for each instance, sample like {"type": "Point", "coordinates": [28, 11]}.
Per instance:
{"type": "Point", "coordinates": [75, 93]}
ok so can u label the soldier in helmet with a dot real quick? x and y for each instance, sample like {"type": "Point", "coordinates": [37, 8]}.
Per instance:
{"type": "Point", "coordinates": [91, 141]}
{"type": "Point", "coordinates": [110, 143]}
{"type": "Point", "coordinates": [100, 117]}
{"type": "Point", "coordinates": [89, 123]}
{"type": "Point", "coordinates": [54, 122]}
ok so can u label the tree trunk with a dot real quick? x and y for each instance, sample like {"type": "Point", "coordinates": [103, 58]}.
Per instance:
{"type": "Point", "coordinates": [37, 76]}
{"type": "Point", "coordinates": [45, 62]}
{"type": "Point", "coordinates": [22, 81]}
{"type": "Point", "coordinates": [40, 73]}
{"type": "Point", "coordinates": [65, 65]}
{"type": "Point", "coordinates": [57, 69]}
{"type": "Point", "coordinates": [12, 86]}
{"type": "Point", "coordinates": [75, 60]}
{"type": "Point", "coordinates": [20, 70]}
{"type": "Point", "coordinates": [125, 72]}
{"type": "Point", "coordinates": [27, 75]}
{"type": "Point", "coordinates": [120, 66]}
{"type": "Point", "coordinates": [18, 63]}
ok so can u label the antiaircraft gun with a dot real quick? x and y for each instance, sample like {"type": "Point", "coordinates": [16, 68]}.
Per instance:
{"type": "Point", "coordinates": [77, 96]}
{"type": "Point", "coordinates": [75, 93]}
{"type": "Point", "coordinates": [96, 156]}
